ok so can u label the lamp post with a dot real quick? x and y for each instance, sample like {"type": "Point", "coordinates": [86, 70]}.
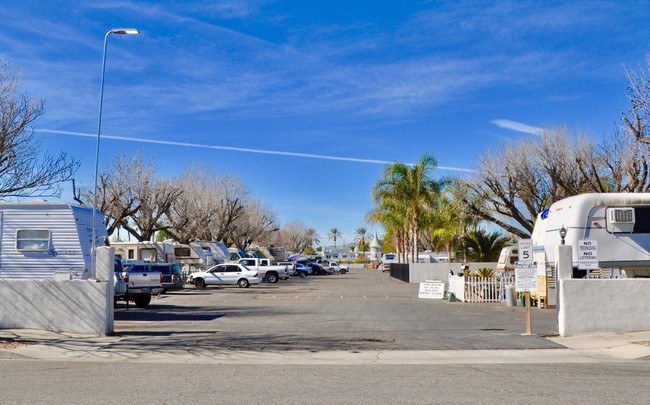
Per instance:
{"type": "Point", "coordinates": [120, 31]}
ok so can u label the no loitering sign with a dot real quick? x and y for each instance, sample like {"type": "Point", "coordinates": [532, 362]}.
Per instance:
{"type": "Point", "coordinates": [587, 254]}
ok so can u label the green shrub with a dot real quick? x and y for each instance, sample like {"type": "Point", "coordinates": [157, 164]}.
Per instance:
{"type": "Point", "coordinates": [485, 272]}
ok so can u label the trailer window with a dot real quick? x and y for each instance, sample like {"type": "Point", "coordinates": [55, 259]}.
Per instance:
{"type": "Point", "coordinates": [34, 240]}
{"type": "Point", "coordinates": [148, 255]}
{"type": "Point", "coordinates": [182, 252]}
{"type": "Point", "coordinates": [642, 220]}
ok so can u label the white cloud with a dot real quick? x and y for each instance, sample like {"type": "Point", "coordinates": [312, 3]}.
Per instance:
{"type": "Point", "coordinates": [518, 127]}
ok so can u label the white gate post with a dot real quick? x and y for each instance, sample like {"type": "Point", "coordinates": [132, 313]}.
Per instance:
{"type": "Point", "coordinates": [563, 271]}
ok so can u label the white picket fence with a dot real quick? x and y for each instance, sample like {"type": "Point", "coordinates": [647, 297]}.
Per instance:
{"type": "Point", "coordinates": [479, 289]}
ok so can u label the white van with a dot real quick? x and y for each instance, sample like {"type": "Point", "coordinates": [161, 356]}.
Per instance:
{"type": "Point", "coordinates": [619, 222]}
{"type": "Point", "coordinates": [387, 259]}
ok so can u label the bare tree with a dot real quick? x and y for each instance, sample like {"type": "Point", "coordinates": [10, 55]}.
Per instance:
{"type": "Point", "coordinates": [231, 197]}
{"type": "Point", "coordinates": [516, 183]}
{"type": "Point", "coordinates": [637, 118]}
{"type": "Point", "coordinates": [132, 197]}
{"type": "Point", "coordinates": [24, 171]}
{"type": "Point", "coordinates": [156, 197]}
{"type": "Point", "coordinates": [116, 196]}
{"type": "Point", "coordinates": [293, 236]}
{"type": "Point", "coordinates": [192, 213]}
{"type": "Point", "coordinates": [259, 223]}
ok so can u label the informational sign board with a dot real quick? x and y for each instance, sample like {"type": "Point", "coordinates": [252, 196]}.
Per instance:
{"type": "Point", "coordinates": [525, 250]}
{"type": "Point", "coordinates": [432, 289]}
{"type": "Point", "coordinates": [587, 254]}
{"type": "Point", "coordinates": [525, 276]}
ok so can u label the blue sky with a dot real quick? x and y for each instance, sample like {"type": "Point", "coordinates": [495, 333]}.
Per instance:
{"type": "Point", "coordinates": [307, 100]}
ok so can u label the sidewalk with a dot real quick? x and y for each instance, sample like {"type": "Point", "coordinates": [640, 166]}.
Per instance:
{"type": "Point", "coordinates": [30, 344]}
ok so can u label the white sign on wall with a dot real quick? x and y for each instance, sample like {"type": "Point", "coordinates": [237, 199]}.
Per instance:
{"type": "Point", "coordinates": [525, 250]}
{"type": "Point", "coordinates": [587, 254]}
{"type": "Point", "coordinates": [525, 276]}
{"type": "Point", "coordinates": [432, 289]}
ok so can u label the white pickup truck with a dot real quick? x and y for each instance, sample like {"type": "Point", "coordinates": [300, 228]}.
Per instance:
{"type": "Point", "coordinates": [338, 268]}
{"type": "Point", "coordinates": [267, 271]}
{"type": "Point", "coordinates": [140, 280]}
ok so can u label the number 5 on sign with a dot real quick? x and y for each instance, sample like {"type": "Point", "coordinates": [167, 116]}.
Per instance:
{"type": "Point", "coordinates": [525, 250]}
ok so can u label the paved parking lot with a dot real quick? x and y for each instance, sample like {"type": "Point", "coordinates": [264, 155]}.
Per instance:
{"type": "Point", "coordinates": [362, 310]}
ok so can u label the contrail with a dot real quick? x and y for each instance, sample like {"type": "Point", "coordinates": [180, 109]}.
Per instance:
{"type": "Point", "coordinates": [518, 127]}
{"type": "Point", "coordinates": [232, 148]}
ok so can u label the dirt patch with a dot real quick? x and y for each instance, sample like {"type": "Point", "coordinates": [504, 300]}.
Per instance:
{"type": "Point", "coordinates": [11, 344]}
{"type": "Point", "coordinates": [643, 343]}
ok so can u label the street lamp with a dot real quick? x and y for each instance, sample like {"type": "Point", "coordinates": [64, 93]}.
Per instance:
{"type": "Point", "coordinates": [562, 235]}
{"type": "Point", "coordinates": [120, 31]}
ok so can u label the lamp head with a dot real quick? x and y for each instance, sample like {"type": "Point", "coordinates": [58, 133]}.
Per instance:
{"type": "Point", "coordinates": [562, 234]}
{"type": "Point", "coordinates": [125, 31]}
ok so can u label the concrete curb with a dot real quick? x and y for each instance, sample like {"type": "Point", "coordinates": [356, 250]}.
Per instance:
{"type": "Point", "coordinates": [44, 345]}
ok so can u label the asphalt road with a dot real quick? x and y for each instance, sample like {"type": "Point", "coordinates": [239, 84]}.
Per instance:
{"type": "Point", "coordinates": [361, 310]}
{"type": "Point", "coordinates": [359, 338]}
{"type": "Point", "coordinates": [33, 382]}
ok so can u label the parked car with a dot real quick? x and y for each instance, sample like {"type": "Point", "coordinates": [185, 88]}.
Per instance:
{"type": "Point", "coordinates": [320, 270]}
{"type": "Point", "coordinates": [338, 268]}
{"type": "Point", "coordinates": [302, 270]}
{"type": "Point", "coordinates": [225, 274]}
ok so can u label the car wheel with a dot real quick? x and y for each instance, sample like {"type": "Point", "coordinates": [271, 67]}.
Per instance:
{"type": "Point", "coordinates": [272, 278]}
{"type": "Point", "coordinates": [142, 300]}
{"type": "Point", "coordinates": [199, 283]}
{"type": "Point", "coordinates": [243, 283]}
{"type": "Point", "coordinates": [164, 291]}
{"type": "Point", "coordinates": [302, 274]}
{"type": "Point", "coordinates": [343, 271]}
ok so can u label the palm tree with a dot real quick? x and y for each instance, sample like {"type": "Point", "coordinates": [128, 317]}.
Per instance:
{"type": "Point", "coordinates": [393, 218]}
{"type": "Point", "coordinates": [361, 234]}
{"type": "Point", "coordinates": [312, 237]}
{"type": "Point", "coordinates": [485, 247]}
{"type": "Point", "coordinates": [410, 188]}
{"type": "Point", "coordinates": [333, 234]}
{"type": "Point", "coordinates": [446, 225]}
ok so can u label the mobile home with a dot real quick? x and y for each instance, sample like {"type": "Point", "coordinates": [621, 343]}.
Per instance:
{"type": "Point", "coordinates": [618, 222]}
{"type": "Point", "coordinates": [40, 239]}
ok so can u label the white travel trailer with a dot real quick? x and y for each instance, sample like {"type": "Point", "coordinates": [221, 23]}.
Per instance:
{"type": "Point", "coordinates": [215, 252]}
{"type": "Point", "coordinates": [153, 252]}
{"type": "Point", "coordinates": [40, 239]}
{"type": "Point", "coordinates": [618, 222]}
{"type": "Point", "coordinates": [189, 256]}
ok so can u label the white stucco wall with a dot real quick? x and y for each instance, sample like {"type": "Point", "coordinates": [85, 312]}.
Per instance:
{"type": "Point", "coordinates": [77, 306]}
{"type": "Point", "coordinates": [419, 272]}
{"type": "Point", "coordinates": [603, 306]}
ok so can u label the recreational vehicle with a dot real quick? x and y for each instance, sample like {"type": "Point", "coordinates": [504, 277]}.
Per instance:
{"type": "Point", "coordinates": [215, 252]}
{"type": "Point", "coordinates": [152, 252]}
{"type": "Point", "coordinates": [507, 258]}
{"type": "Point", "coordinates": [40, 239]}
{"type": "Point", "coordinates": [618, 222]}
{"type": "Point", "coordinates": [190, 257]}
